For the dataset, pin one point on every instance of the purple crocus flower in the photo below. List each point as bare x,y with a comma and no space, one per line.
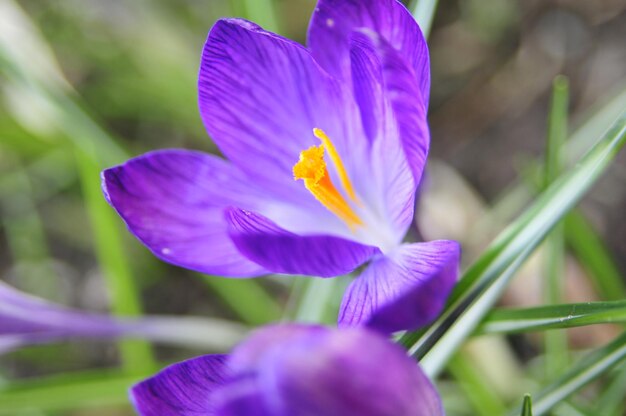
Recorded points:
346,118
27,320
294,370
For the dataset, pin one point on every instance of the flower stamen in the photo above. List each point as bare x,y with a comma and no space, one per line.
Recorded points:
311,168
334,156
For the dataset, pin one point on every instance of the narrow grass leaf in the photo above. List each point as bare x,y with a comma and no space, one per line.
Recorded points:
583,372
556,356
513,321
527,406
568,409
594,255
424,13
557,130
604,114
611,401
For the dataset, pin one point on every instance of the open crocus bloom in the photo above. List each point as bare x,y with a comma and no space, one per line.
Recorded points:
294,370
345,118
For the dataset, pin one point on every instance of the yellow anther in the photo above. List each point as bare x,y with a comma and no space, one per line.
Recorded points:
334,156
311,168
311,164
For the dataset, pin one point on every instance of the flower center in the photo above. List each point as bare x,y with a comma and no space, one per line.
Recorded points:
311,168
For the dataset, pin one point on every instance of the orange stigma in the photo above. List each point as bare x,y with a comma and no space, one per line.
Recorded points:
311,168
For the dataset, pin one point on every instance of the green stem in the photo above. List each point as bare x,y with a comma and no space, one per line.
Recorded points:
554,253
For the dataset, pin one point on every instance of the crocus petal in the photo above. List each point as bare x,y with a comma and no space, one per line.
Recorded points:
378,82
28,320
281,251
249,354
173,202
352,372
240,398
182,389
404,290
261,95
335,20
400,87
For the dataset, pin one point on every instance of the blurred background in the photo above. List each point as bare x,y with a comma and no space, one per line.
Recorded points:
86,84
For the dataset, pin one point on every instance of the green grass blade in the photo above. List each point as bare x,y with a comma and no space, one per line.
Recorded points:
568,409
583,372
557,130
424,13
527,406
445,336
554,253
605,115
136,355
556,348
611,400
593,254
513,321
483,282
